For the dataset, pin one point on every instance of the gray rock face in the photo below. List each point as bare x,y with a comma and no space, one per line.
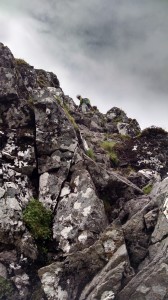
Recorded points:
8,75
151,280
117,121
80,213
55,147
104,219
148,151
66,280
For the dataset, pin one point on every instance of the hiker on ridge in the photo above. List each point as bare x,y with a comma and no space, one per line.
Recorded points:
84,104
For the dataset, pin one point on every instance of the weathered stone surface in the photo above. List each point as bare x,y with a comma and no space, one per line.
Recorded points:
55,148
108,281
108,240
137,230
117,121
8,75
80,215
8,257
151,281
144,177
3,271
47,79
160,193
107,179
66,280
22,283
148,151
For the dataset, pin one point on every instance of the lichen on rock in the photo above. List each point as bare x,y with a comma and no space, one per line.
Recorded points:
99,227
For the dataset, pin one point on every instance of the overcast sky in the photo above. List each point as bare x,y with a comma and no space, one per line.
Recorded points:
114,52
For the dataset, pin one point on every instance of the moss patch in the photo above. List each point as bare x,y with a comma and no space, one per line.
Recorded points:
147,189
38,220
21,62
37,294
6,288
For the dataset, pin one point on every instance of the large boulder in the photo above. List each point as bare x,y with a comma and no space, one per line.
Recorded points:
107,257
151,282
80,215
118,122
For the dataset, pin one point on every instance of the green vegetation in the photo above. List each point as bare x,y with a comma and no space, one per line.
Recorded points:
147,189
153,131
128,170
41,81
30,101
57,98
72,120
114,159
118,119
65,107
107,206
37,294
125,137
109,146
38,220
90,153
21,62
6,288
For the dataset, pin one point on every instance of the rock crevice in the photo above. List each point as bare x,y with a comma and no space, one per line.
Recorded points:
103,181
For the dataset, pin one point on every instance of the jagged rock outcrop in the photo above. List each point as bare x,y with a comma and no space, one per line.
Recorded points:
98,226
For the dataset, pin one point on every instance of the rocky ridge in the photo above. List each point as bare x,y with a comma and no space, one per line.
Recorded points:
83,197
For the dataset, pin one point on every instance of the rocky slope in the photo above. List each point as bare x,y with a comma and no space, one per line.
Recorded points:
83,198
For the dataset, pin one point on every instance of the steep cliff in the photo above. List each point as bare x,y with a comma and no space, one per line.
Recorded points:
83,197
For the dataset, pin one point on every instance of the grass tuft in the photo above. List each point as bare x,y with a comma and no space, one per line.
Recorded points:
147,189
90,153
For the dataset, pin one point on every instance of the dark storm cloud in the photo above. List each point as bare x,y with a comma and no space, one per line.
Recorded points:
113,51
126,33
